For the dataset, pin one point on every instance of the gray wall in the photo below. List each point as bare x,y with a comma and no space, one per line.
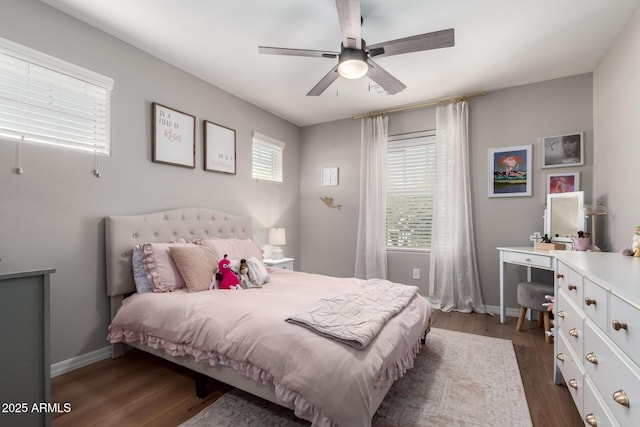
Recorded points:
52,216
504,118
616,97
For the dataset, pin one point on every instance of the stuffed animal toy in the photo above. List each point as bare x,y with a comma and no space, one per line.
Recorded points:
229,279
244,274
247,272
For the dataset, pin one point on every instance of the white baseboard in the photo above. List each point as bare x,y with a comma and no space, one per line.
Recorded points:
80,361
495,309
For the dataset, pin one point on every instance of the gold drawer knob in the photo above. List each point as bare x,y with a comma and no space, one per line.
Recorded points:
560,357
573,384
592,358
574,333
591,420
589,301
560,276
618,325
621,398
560,314
572,287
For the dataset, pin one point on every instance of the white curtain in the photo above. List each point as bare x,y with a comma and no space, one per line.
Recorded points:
454,283
371,249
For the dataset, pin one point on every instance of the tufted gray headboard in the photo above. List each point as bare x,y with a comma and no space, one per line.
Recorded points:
124,232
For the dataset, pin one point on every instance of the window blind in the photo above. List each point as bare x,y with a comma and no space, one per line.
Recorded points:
267,154
410,185
47,100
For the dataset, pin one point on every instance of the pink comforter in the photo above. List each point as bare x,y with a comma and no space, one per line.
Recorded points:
326,382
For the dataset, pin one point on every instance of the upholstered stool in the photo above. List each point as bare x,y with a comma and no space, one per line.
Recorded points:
531,295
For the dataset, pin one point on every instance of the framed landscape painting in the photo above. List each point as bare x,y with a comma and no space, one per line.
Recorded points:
510,171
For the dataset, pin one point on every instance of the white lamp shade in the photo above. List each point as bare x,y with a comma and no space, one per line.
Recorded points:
277,237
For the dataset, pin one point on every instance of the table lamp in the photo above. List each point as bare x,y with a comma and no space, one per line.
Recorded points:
276,239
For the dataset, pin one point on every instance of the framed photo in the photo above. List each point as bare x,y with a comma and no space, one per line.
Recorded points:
174,137
510,171
563,150
329,176
219,148
563,182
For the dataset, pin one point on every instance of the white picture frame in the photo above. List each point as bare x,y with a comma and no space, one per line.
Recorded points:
563,150
510,173
563,182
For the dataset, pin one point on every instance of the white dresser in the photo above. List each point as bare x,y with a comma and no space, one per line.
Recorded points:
597,329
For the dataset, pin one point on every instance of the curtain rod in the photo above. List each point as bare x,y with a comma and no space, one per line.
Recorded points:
425,104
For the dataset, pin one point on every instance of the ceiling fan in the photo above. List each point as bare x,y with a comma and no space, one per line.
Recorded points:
355,57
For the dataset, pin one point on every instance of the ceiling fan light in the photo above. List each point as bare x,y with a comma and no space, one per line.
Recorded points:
353,64
353,69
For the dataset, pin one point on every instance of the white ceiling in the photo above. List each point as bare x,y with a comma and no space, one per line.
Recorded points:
499,43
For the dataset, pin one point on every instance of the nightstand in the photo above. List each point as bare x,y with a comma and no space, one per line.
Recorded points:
286,263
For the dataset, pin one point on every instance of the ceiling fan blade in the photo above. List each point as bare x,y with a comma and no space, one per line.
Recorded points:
390,84
434,40
297,52
325,82
350,23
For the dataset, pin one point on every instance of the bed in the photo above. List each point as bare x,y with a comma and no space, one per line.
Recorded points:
246,342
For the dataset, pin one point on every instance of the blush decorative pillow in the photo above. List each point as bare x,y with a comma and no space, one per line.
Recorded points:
234,248
197,265
162,272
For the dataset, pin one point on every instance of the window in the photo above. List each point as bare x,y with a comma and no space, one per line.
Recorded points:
267,157
47,100
410,184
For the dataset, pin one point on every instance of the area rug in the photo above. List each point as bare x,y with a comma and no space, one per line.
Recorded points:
458,380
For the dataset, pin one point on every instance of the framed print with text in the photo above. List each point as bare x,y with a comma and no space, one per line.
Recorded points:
219,148
174,137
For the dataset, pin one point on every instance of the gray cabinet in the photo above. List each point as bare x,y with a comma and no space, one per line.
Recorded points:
24,355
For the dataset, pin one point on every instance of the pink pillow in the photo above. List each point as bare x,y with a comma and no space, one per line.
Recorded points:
162,272
234,248
197,264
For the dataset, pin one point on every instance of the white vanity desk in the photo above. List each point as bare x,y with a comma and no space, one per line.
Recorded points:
526,256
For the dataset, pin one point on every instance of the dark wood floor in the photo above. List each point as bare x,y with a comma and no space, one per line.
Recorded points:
142,390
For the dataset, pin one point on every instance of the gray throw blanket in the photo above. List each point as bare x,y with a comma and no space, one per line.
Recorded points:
355,317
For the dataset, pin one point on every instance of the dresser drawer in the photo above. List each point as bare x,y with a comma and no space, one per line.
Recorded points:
538,261
570,320
596,412
627,336
610,374
596,303
571,371
571,282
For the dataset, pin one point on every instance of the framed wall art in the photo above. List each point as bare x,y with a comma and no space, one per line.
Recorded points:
219,148
510,171
174,137
563,182
563,150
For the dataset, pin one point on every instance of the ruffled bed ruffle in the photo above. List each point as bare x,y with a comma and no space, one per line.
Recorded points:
289,398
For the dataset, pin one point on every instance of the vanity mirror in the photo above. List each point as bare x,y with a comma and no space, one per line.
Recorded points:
564,216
